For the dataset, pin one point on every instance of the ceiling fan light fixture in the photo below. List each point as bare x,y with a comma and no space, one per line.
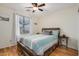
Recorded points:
35,8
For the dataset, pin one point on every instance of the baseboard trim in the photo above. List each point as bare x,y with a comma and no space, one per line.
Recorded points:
71,48
8,46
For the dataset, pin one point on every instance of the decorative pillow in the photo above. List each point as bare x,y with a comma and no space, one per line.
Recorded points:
50,32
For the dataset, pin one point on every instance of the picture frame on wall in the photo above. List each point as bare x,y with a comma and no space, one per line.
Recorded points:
3,18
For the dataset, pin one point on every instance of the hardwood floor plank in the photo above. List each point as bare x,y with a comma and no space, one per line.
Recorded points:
60,51
64,52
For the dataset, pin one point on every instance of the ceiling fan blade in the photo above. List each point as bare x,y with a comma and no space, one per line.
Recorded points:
33,11
41,5
41,9
28,10
28,7
34,4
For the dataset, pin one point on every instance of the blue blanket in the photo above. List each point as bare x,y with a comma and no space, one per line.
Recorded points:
37,42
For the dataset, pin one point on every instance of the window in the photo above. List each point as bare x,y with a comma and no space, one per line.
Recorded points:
24,23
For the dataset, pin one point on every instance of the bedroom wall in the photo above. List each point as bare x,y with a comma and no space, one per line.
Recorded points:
66,20
35,28
78,32
78,29
7,28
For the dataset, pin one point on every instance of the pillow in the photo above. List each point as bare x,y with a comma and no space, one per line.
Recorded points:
56,32
50,32
47,32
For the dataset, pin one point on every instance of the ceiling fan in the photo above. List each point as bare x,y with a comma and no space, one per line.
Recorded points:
36,6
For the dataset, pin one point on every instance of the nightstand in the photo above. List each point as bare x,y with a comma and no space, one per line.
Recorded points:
62,39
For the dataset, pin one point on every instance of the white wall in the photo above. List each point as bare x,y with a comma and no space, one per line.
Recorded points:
78,29
7,29
35,28
64,19
78,32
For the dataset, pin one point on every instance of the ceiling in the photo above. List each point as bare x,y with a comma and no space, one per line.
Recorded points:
50,7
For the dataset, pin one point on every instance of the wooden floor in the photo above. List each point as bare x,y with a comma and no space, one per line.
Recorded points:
60,51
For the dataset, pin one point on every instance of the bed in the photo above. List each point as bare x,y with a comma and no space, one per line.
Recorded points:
41,44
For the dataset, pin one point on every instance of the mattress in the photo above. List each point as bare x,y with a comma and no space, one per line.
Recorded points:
39,43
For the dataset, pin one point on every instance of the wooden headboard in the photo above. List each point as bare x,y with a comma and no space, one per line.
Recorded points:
51,29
